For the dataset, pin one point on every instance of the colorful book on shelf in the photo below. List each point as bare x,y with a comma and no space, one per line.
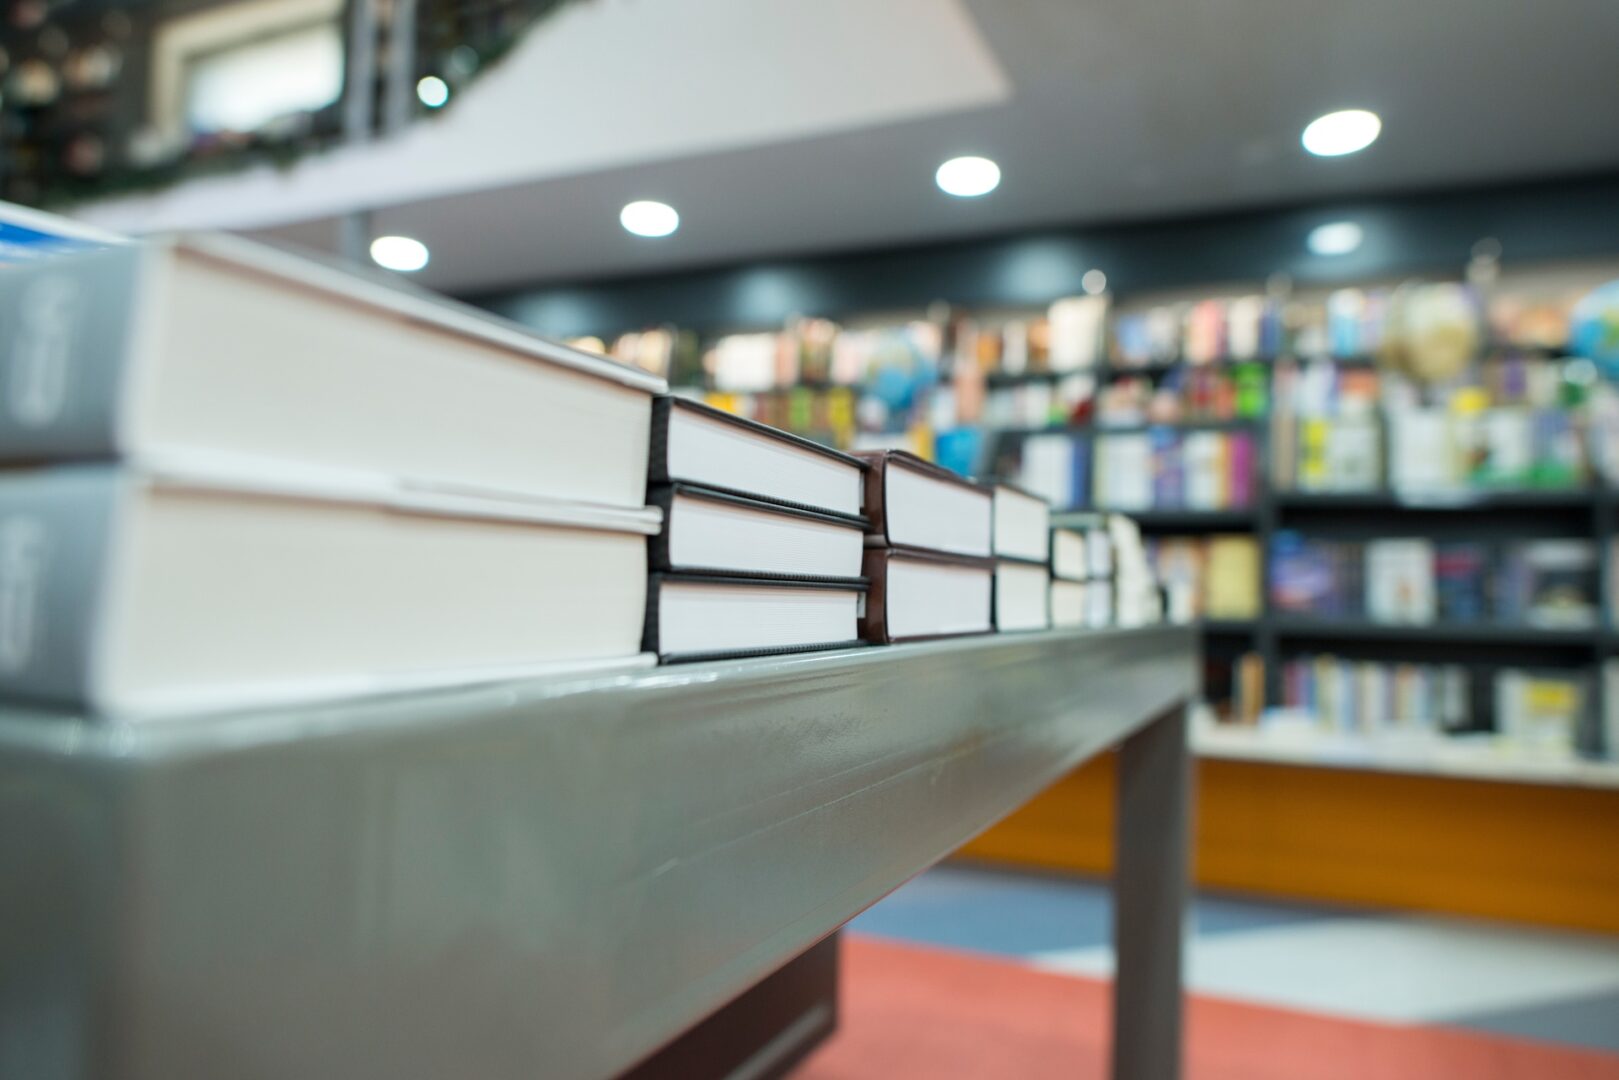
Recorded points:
1231,585
1399,577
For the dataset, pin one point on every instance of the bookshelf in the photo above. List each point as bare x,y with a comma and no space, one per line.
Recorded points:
1143,392
1458,758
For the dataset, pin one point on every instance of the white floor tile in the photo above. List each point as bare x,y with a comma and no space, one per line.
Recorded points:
1402,970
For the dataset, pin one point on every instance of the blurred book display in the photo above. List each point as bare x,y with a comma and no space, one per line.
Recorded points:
258,507
1241,428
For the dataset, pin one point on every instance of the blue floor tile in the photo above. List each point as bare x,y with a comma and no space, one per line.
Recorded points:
1585,1021
1016,913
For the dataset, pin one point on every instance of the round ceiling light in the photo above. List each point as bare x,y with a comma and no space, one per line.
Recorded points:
1094,282
400,253
968,177
1343,132
432,91
1334,238
645,217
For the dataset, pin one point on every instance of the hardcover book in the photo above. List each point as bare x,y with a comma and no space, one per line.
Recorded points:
699,445
216,343
700,616
919,594
912,503
713,531
175,588
1021,595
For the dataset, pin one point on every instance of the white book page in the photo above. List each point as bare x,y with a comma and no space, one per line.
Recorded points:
926,598
923,511
705,450
709,535
699,617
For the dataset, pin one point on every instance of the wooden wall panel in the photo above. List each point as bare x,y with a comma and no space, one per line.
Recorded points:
1519,852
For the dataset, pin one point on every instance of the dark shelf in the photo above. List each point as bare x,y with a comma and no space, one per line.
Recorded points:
1460,502
1239,424
1302,626
1180,520
1229,627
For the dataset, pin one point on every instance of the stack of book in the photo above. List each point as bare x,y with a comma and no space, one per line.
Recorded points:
1082,572
254,478
1022,557
927,552
1137,598
763,538
1070,569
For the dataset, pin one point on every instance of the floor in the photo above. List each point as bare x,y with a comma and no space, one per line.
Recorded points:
970,971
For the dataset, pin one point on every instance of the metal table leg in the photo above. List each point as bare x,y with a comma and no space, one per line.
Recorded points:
1149,892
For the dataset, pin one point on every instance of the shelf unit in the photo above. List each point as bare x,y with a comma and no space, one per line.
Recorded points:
554,877
1449,757
1590,513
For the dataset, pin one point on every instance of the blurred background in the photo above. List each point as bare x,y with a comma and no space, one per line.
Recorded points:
1326,295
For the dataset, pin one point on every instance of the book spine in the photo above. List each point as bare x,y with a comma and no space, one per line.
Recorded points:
67,332
56,529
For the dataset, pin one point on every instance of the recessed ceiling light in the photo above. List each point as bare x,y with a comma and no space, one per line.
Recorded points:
645,217
399,253
1334,238
432,91
968,177
1341,132
1094,282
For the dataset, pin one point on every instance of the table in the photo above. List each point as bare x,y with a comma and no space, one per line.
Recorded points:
548,878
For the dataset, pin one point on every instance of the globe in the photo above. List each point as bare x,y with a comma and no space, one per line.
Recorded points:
1593,330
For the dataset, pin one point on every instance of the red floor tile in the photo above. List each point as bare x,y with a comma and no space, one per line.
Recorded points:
913,1011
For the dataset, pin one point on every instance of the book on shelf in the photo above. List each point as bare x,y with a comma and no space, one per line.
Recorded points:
916,595
1070,570
1368,697
1541,712
704,446
1609,735
1420,451
1462,581
1069,558
706,616
1137,599
1231,583
1550,583
1022,528
1400,581
178,586
916,504
714,531
1166,469
1021,595
1069,600
1056,467
214,342
1248,689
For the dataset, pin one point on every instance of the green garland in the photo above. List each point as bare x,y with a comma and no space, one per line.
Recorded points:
279,153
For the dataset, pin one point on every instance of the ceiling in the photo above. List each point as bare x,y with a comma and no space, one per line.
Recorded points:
815,125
